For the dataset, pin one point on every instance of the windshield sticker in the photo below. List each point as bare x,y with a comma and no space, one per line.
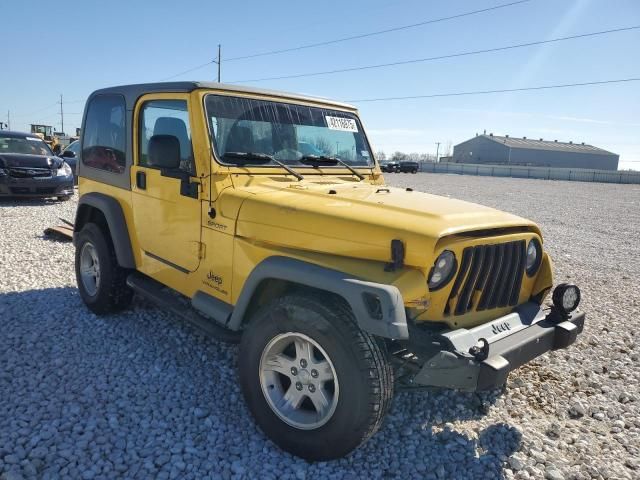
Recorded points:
364,153
343,124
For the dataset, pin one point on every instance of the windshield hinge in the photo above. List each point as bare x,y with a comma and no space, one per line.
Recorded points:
397,256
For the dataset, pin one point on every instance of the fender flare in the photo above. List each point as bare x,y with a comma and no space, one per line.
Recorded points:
112,211
388,321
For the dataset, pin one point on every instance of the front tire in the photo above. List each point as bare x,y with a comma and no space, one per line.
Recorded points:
317,385
101,281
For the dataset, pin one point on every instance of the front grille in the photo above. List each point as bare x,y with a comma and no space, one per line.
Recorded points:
23,172
490,276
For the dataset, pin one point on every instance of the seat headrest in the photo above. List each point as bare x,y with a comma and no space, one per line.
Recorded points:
176,127
164,151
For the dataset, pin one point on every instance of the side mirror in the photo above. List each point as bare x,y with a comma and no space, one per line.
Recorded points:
68,154
164,151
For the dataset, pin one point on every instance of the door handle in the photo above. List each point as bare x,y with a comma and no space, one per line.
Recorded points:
141,180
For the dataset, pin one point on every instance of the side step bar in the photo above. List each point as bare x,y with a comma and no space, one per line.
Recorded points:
158,294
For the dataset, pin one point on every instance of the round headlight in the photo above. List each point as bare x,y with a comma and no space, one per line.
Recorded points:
534,256
443,270
566,297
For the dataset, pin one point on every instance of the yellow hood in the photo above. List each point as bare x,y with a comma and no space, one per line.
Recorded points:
359,220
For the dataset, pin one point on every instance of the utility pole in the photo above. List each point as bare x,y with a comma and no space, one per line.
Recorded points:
218,62
9,119
437,152
61,115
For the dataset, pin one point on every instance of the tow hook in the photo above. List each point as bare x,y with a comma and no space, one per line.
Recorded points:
480,353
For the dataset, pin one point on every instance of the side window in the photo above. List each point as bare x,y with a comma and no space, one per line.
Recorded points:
160,120
104,136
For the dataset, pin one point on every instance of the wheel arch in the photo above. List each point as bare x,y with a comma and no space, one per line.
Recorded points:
378,308
107,212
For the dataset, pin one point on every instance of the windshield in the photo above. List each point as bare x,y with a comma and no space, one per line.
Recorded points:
288,132
26,145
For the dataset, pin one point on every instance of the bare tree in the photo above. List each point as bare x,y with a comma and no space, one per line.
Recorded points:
324,145
397,156
381,156
447,149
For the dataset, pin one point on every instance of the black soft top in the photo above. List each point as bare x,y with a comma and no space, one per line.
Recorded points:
133,92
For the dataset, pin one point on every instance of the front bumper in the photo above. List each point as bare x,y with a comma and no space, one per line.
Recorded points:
507,343
36,187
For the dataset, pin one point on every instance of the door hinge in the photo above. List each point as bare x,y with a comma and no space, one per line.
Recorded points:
201,250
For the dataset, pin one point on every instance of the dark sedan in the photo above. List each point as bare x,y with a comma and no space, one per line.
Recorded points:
28,168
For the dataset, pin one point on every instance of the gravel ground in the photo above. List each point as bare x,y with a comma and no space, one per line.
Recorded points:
141,394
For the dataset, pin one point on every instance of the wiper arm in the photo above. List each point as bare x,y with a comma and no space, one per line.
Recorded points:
261,159
319,159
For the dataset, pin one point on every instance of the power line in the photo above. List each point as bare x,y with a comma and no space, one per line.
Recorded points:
441,57
218,62
378,32
345,39
188,71
37,111
503,90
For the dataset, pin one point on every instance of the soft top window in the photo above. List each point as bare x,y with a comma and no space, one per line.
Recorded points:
103,140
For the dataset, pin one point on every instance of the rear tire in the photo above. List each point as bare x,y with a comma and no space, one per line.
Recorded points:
318,413
101,281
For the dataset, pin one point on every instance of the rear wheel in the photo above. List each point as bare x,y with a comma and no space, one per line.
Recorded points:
101,281
317,385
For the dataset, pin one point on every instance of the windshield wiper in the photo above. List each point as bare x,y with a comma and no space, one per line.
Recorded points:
261,158
323,159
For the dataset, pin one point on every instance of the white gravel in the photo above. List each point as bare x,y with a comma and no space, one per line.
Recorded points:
140,394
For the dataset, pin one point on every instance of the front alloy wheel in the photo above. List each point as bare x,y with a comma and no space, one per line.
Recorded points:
317,385
299,381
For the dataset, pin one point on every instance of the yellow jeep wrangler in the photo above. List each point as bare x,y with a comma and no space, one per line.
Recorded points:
263,218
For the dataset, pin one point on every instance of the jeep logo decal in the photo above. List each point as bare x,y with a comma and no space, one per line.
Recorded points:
214,278
500,327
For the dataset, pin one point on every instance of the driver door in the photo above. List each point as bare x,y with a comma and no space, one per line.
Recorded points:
165,192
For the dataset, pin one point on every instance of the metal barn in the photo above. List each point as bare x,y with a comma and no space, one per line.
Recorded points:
496,150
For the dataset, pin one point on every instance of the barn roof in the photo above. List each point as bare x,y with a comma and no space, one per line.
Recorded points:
540,144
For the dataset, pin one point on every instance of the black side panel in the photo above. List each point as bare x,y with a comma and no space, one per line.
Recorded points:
114,215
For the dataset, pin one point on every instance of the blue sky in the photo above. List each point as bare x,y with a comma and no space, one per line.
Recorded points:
72,47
